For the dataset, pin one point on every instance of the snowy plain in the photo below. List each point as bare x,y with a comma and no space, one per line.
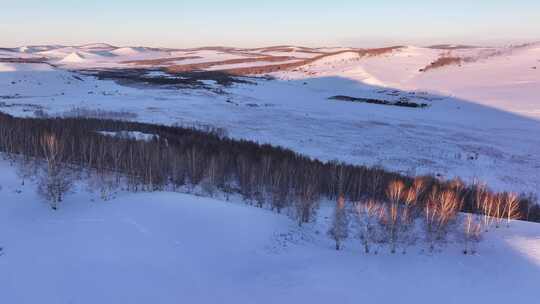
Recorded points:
480,125
172,248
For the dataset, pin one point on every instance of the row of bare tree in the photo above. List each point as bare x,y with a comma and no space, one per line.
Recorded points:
401,219
264,175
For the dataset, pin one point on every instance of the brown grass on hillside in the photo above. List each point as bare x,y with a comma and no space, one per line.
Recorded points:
268,69
379,51
206,65
441,62
451,47
257,70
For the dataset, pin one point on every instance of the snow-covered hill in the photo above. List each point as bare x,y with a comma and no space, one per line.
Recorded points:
178,248
478,125
504,78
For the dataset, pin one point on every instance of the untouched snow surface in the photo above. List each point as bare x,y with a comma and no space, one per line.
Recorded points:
177,248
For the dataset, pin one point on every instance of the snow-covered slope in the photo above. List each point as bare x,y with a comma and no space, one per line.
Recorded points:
478,125
510,81
38,48
177,248
18,67
506,78
55,88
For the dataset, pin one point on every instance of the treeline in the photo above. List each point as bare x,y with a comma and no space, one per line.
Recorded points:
178,157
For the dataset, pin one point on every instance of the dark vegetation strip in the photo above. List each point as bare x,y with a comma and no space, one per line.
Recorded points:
193,79
441,62
399,103
24,60
264,175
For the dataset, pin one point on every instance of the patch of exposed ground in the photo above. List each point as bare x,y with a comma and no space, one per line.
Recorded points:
448,59
180,80
24,60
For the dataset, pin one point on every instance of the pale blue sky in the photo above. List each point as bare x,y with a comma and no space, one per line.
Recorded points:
187,23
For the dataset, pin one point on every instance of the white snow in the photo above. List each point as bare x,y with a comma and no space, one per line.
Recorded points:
61,53
24,49
345,57
22,67
127,51
131,134
38,48
74,57
205,56
178,248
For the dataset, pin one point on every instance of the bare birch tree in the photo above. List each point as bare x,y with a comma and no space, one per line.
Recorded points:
339,229
368,213
392,216
512,211
472,233
55,181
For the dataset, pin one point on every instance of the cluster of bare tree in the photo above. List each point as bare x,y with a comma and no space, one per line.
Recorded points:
415,212
264,175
